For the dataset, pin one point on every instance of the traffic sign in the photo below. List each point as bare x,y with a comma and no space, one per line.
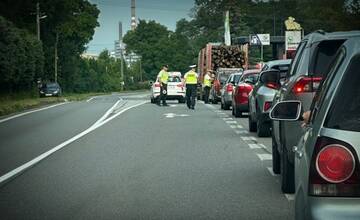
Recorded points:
260,39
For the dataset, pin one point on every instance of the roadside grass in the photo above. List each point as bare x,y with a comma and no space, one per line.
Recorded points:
16,103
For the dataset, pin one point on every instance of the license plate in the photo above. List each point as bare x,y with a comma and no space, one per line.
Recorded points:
48,94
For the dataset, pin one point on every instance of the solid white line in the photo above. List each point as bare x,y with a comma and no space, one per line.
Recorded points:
271,171
290,197
36,160
29,112
263,157
90,99
108,112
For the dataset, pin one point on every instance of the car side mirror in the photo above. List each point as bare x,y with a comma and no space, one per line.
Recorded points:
286,111
270,76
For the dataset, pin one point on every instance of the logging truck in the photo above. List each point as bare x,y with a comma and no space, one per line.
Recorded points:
217,57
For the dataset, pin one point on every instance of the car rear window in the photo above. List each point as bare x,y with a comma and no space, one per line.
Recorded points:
324,57
223,78
237,78
252,77
345,111
174,79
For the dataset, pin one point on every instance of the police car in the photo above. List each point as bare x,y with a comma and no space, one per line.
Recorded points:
175,89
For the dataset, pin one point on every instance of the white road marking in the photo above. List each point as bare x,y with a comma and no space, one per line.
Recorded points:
227,119
248,138
233,126
263,157
90,99
231,122
173,106
271,171
240,126
108,112
241,132
29,112
36,160
173,115
257,146
290,197
210,106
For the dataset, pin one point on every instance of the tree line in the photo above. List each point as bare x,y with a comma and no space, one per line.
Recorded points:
70,24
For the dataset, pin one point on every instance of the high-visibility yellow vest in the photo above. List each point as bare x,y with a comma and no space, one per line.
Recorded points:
191,77
164,76
207,80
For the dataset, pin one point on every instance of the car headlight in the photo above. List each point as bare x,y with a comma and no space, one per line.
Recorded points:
41,92
56,91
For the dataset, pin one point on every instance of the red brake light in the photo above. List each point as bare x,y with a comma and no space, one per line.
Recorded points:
272,85
334,169
157,84
229,88
335,163
307,84
267,106
180,85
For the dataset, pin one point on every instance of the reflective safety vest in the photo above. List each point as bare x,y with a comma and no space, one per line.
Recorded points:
164,76
190,77
207,81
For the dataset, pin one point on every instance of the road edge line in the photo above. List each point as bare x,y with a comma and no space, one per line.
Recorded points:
32,111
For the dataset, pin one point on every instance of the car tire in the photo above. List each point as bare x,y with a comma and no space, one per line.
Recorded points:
237,113
152,100
275,157
287,174
221,105
214,101
263,128
252,124
226,106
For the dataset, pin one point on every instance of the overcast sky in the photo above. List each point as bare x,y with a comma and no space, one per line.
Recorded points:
166,12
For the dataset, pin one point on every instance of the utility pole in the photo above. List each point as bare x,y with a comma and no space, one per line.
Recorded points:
122,72
38,20
56,56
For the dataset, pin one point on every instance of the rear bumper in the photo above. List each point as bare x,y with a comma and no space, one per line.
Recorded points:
171,96
324,208
264,117
242,107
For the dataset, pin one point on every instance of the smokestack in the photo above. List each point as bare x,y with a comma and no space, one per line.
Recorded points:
133,16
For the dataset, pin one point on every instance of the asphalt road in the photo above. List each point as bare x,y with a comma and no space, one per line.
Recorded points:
140,161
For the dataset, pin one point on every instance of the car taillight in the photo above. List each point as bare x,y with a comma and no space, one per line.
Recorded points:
180,86
267,106
229,88
157,84
272,85
307,84
334,169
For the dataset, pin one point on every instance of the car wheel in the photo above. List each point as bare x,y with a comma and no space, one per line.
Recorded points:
275,157
252,124
237,113
232,110
152,100
263,128
287,174
226,106
214,101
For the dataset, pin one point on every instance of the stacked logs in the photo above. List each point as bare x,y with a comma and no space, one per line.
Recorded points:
227,57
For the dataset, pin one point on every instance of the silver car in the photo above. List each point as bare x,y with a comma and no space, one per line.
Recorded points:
261,98
327,168
227,89
314,56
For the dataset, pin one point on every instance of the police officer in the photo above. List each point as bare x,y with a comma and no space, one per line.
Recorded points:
207,86
163,77
191,85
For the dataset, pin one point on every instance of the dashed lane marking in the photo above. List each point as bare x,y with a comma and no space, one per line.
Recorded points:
233,126
290,197
240,126
241,132
263,157
271,171
227,119
231,122
257,146
248,138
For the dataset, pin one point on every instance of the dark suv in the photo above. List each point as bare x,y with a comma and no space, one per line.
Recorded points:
312,61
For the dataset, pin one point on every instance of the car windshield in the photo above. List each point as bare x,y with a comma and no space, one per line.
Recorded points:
174,79
52,86
345,111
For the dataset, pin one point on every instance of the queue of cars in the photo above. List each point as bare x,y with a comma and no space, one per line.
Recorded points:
318,160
